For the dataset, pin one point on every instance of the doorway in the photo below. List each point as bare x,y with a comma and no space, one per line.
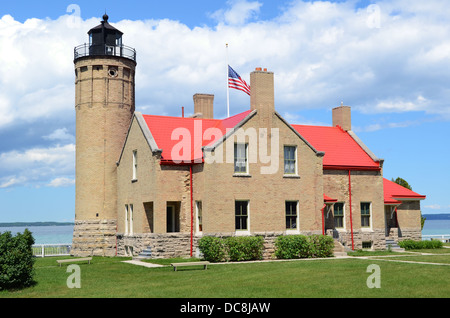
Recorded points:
173,218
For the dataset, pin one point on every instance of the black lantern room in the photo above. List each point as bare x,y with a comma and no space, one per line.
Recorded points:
105,39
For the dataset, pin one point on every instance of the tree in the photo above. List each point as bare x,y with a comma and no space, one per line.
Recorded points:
402,182
406,185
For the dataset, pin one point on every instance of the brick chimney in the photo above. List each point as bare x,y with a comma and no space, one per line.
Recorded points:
203,106
342,117
262,92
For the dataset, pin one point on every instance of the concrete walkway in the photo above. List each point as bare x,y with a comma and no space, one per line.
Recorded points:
145,264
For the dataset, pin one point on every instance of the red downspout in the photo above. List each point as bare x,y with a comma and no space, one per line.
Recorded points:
192,208
350,197
323,219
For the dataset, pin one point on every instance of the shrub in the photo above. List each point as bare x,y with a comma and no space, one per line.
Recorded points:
234,248
301,246
16,260
244,248
213,248
413,245
322,246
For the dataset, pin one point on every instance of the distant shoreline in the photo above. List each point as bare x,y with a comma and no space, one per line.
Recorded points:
21,224
442,216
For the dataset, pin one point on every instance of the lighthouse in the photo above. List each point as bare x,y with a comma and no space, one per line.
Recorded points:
104,106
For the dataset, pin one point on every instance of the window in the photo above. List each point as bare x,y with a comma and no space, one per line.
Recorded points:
241,215
134,164
126,219
291,215
199,217
338,215
129,219
365,214
289,160
367,245
240,158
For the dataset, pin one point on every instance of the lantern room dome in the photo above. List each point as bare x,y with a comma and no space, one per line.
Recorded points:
104,40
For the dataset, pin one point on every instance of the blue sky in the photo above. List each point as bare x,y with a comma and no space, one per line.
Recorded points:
388,60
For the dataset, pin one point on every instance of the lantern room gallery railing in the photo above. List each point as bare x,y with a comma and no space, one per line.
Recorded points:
104,50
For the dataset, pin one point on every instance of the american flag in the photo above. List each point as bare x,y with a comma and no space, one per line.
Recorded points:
235,81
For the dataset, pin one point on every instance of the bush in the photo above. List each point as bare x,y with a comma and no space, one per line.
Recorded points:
213,248
16,260
322,246
414,245
234,248
244,248
301,246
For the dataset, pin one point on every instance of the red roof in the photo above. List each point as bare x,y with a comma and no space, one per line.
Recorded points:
170,132
341,150
394,192
328,199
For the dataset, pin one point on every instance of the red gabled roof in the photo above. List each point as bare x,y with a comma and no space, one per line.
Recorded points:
170,132
341,150
394,192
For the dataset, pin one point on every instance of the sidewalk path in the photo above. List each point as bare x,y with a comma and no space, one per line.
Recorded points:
145,264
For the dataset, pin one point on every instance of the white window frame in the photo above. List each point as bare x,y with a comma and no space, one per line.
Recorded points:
135,165
297,220
131,219
246,172
126,220
198,231
367,228
343,217
244,231
295,173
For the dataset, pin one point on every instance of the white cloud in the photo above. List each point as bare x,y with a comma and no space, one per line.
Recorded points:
60,134
36,165
321,53
61,182
238,13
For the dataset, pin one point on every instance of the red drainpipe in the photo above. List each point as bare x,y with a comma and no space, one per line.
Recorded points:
350,197
192,208
323,220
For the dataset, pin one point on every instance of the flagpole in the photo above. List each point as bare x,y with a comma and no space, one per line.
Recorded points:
228,88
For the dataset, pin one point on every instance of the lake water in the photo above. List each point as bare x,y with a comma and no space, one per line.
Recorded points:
62,234
436,227
55,234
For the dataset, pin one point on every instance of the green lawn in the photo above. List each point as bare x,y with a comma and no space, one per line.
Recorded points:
341,278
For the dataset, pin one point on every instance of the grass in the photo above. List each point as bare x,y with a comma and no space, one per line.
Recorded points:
340,278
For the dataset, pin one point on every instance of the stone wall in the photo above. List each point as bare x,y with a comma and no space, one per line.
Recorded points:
94,238
178,244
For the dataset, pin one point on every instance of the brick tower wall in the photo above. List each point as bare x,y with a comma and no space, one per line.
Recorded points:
104,104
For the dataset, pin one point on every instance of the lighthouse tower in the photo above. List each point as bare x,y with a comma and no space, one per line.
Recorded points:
104,105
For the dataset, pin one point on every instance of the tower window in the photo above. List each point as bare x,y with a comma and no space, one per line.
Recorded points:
113,72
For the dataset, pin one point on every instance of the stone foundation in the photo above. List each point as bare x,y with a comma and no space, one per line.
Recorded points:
169,245
94,238
377,237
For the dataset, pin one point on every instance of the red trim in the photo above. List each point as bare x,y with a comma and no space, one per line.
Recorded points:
323,219
350,198
192,208
351,168
164,162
